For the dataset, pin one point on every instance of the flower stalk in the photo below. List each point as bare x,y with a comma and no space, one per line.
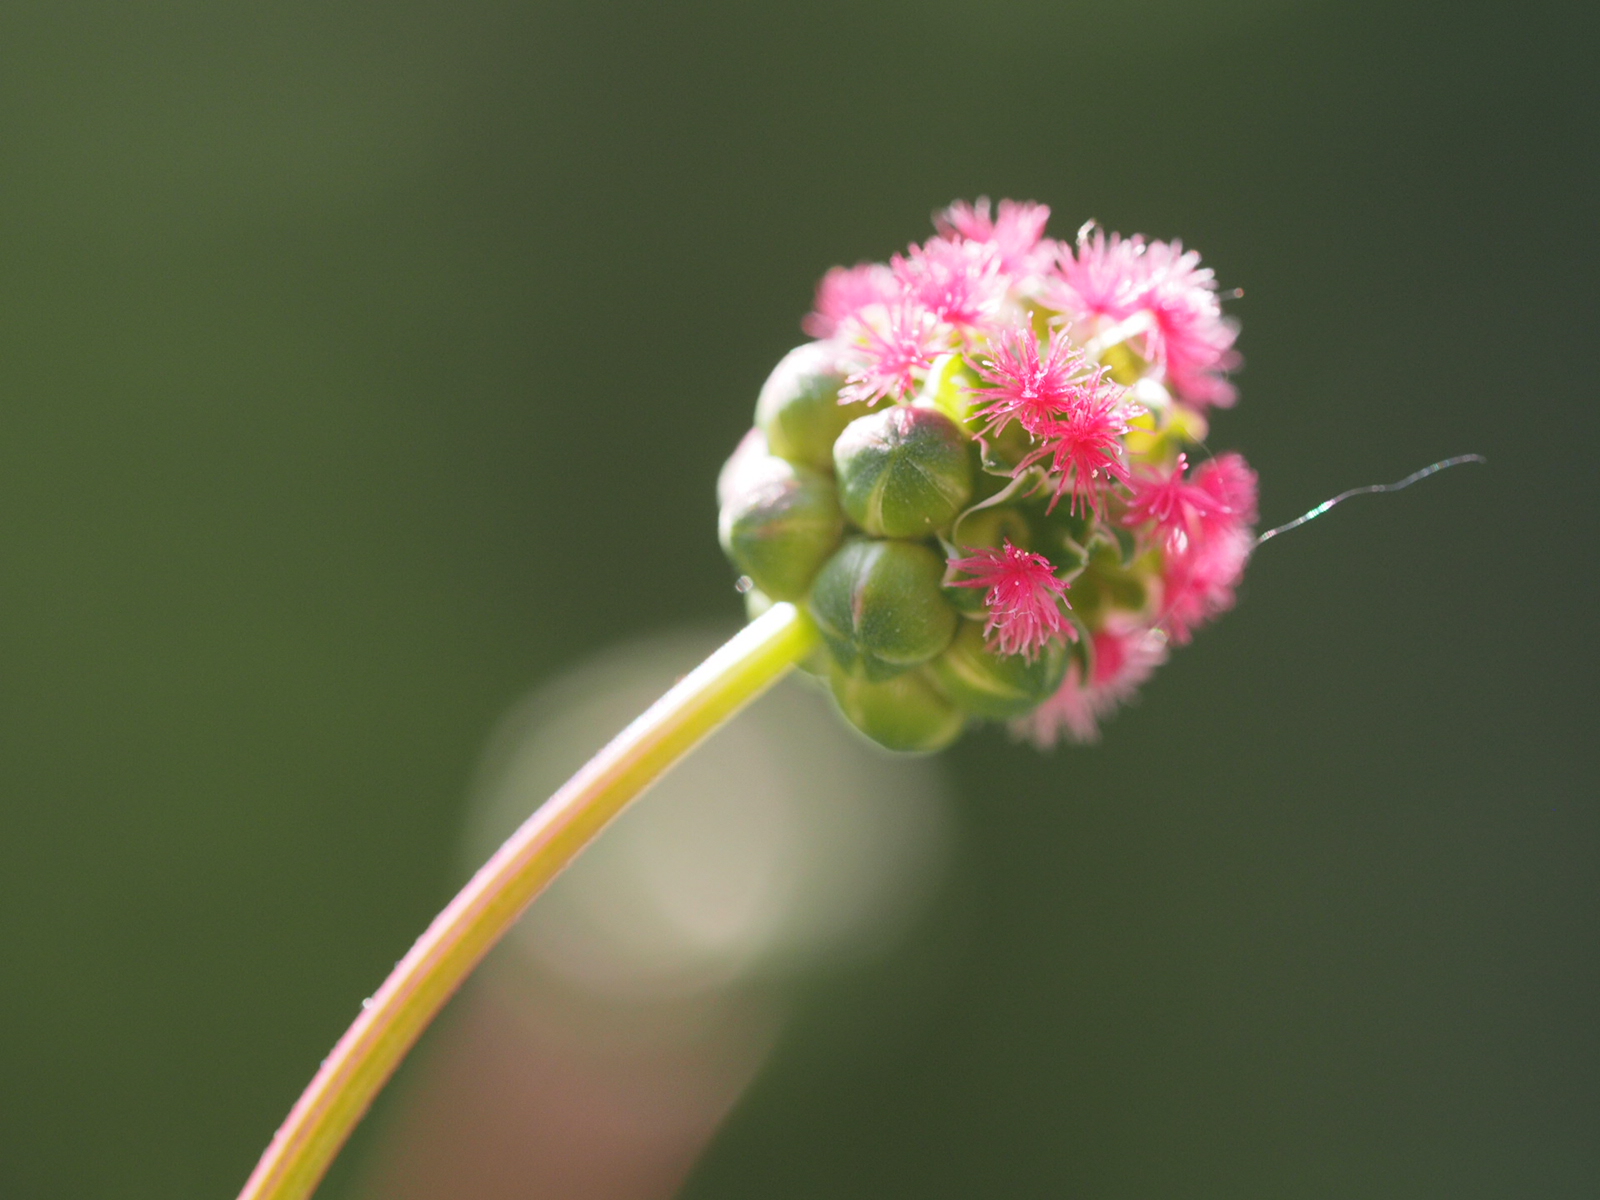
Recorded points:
481,913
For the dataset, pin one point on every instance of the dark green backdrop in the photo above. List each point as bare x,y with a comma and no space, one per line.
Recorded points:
363,364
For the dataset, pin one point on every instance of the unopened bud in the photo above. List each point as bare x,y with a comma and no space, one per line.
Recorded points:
799,410
903,472
997,686
907,713
779,523
879,606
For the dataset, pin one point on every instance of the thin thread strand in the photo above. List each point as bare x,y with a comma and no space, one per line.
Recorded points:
1430,469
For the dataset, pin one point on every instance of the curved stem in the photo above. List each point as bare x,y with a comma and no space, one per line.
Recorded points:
475,920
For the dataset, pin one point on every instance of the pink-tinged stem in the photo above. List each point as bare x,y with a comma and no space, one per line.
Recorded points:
479,916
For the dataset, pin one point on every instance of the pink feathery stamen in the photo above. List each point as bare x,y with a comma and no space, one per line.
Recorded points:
1198,579
958,282
892,359
1023,596
1112,278
1017,232
1084,448
1198,584
1102,277
845,293
1032,390
1192,337
1174,505
1126,652
1231,484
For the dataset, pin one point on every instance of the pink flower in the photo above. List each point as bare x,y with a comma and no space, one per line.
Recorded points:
1115,278
1104,277
1176,507
891,358
1198,579
1198,584
847,292
1084,447
958,282
1017,233
1192,337
1030,390
1231,484
1125,654
1024,598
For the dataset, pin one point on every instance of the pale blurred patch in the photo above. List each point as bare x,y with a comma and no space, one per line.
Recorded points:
635,1001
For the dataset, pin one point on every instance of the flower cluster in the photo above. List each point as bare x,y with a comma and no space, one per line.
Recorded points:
978,477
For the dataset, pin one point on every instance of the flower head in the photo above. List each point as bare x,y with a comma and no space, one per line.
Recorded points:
993,350
1110,279
1101,277
1023,596
1231,485
1192,337
1172,505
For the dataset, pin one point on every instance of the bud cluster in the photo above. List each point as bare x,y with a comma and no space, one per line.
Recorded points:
977,478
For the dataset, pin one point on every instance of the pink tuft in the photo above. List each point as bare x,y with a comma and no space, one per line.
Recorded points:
1175,506
1104,277
1017,233
1114,278
1125,654
1192,337
1084,447
1231,484
890,360
1023,596
845,293
1033,391
958,282
1198,584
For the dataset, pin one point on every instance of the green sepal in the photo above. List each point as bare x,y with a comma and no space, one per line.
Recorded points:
880,608
1107,584
1018,489
997,686
907,713
1003,452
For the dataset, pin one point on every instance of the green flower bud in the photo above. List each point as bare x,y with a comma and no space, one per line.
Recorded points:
879,606
779,523
799,410
903,472
907,713
996,686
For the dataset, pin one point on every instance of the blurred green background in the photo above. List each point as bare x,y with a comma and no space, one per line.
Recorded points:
364,364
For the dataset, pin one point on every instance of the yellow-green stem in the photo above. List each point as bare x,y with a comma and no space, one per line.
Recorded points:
475,920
